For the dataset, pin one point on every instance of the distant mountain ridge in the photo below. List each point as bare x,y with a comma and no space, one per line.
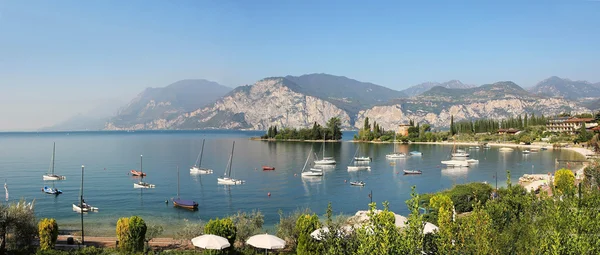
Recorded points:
168,102
560,87
423,87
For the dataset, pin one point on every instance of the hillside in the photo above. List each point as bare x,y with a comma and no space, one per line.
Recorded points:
419,89
559,87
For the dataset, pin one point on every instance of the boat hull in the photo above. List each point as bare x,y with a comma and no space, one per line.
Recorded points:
85,209
51,191
325,162
395,156
143,185
268,168
364,159
229,181
358,168
137,173
412,172
196,170
187,204
312,174
50,177
416,153
361,184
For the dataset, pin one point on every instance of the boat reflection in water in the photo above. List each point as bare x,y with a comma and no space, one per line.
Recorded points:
455,171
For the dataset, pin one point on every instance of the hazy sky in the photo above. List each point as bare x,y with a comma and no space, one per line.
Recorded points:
60,58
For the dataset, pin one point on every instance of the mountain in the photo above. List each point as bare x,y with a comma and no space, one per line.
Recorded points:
345,93
559,87
168,102
420,88
436,106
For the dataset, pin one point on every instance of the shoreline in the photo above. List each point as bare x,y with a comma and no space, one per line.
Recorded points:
293,140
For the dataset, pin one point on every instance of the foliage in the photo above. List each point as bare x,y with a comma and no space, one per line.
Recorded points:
48,233
306,224
190,231
18,226
332,131
153,231
90,250
446,226
222,227
413,234
123,233
287,225
463,197
564,181
131,234
247,225
379,235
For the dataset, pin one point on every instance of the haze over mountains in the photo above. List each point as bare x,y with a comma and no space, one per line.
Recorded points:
299,101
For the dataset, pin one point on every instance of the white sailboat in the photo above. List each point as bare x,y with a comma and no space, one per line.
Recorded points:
50,176
197,168
312,172
395,154
227,179
354,167
141,184
82,206
460,154
325,160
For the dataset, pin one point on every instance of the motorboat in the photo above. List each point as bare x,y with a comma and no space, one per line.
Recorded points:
227,178
395,155
51,176
416,153
358,183
456,163
52,191
85,208
526,151
197,168
143,185
137,173
412,172
367,159
268,168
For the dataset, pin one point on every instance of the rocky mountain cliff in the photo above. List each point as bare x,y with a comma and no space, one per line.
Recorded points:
155,104
435,107
423,87
559,87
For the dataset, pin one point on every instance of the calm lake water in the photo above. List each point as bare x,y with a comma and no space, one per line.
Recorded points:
108,157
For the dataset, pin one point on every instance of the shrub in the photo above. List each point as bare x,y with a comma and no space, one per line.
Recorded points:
287,225
564,181
48,232
247,224
123,233
190,231
305,225
18,226
222,227
137,233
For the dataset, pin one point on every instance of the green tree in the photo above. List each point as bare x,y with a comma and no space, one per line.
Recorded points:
48,232
222,227
366,125
334,127
452,128
564,181
247,225
137,233
445,209
305,225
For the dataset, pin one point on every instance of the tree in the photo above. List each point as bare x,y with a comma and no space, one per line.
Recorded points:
48,231
564,181
222,227
315,132
247,224
137,233
334,127
366,125
445,209
305,225
452,128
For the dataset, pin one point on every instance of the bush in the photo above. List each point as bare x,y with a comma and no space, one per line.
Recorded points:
123,233
287,225
131,233
564,181
247,224
18,226
222,227
305,225
48,232
190,231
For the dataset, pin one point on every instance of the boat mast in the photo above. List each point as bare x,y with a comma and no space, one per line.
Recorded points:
201,153
141,168
324,137
177,182
53,154
231,159
307,159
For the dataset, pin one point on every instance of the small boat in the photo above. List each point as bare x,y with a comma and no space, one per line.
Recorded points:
395,154
311,172
506,149
178,202
544,148
137,173
416,153
412,172
368,159
268,168
52,191
85,208
526,151
460,154
50,176
487,146
456,163
197,168
325,160
226,179
533,150
141,184
357,168
358,183
472,161
474,147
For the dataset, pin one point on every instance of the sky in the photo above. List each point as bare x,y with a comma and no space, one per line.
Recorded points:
61,58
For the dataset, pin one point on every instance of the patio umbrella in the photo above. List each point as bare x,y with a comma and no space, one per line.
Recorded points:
320,233
266,241
211,242
429,228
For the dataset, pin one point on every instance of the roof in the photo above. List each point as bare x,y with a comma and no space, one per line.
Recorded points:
578,120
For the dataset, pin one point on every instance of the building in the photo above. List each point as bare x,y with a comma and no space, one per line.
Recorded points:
510,131
570,125
403,129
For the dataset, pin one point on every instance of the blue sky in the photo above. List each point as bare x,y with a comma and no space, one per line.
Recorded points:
59,58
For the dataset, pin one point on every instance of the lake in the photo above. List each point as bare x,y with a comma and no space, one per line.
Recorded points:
109,156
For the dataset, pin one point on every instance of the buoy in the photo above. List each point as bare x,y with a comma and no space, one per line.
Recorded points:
269,194
166,201
345,181
397,172
295,174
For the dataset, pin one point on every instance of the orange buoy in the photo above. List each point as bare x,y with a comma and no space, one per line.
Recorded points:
269,194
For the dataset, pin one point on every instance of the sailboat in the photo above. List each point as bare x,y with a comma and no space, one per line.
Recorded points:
197,168
187,204
458,158
358,158
395,154
227,179
354,167
141,184
325,160
358,182
82,206
50,176
312,172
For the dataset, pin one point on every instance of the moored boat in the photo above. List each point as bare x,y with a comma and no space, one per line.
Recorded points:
357,168
357,183
268,168
178,202
456,163
85,208
227,178
416,153
363,159
52,191
472,161
526,151
412,172
51,176
137,173
506,149
460,154
311,172
141,184
197,168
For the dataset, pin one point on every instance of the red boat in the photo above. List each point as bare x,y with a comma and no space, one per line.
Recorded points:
137,173
268,168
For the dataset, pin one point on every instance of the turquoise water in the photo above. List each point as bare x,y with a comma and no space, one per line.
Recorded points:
108,157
